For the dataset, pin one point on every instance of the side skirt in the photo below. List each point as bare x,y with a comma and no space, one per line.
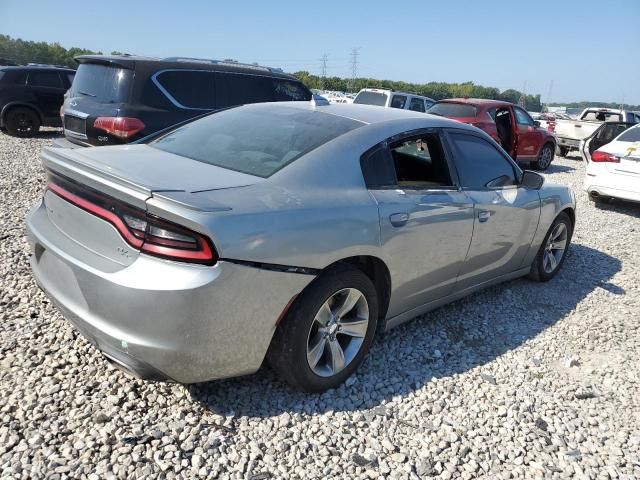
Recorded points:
406,316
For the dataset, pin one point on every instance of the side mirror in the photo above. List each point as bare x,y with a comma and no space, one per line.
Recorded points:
532,180
536,123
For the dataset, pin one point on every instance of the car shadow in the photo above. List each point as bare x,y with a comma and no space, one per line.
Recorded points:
619,206
448,341
557,168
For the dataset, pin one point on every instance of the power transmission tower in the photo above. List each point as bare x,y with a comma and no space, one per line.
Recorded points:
523,96
354,67
324,60
549,92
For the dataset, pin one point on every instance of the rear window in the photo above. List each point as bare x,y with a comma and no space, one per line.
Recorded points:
456,110
189,88
631,135
602,117
258,141
372,98
103,83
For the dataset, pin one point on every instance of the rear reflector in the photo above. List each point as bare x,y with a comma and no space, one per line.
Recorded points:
121,127
600,156
139,229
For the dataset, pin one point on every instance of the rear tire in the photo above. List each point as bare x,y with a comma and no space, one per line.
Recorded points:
550,257
302,349
22,122
545,157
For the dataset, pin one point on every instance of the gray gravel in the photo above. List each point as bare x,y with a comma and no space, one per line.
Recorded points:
523,380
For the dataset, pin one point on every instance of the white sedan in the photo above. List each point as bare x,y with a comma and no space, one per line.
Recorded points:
613,170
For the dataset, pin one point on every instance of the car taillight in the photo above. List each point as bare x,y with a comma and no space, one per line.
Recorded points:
600,156
121,127
139,229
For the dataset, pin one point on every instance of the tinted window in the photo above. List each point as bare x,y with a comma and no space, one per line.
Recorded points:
522,117
286,90
258,140
70,78
456,110
102,83
232,90
631,135
189,88
419,162
480,164
398,101
13,77
610,131
372,98
45,79
416,104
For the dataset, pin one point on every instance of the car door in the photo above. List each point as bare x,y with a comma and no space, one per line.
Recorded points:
604,134
505,214
426,222
48,91
529,138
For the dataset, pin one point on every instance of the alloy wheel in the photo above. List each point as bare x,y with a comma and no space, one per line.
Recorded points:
545,157
337,332
555,248
24,123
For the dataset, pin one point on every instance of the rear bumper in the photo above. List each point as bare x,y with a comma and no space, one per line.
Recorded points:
66,143
164,320
611,185
567,142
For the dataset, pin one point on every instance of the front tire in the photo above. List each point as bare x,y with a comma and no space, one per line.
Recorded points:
22,122
553,250
327,332
545,157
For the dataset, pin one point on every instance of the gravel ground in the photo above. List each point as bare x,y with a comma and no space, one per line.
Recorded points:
523,380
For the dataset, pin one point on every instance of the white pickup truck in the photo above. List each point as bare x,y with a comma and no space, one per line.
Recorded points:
569,133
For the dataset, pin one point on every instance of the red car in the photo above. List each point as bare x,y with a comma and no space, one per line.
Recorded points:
508,124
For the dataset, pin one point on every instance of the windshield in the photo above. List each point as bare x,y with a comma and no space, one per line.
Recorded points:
372,98
103,83
258,141
456,110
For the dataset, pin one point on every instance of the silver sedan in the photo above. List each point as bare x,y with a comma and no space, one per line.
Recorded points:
287,232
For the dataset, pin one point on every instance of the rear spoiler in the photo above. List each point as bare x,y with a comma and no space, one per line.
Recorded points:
70,163
108,61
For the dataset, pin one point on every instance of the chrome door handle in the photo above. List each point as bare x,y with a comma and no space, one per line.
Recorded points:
483,215
399,219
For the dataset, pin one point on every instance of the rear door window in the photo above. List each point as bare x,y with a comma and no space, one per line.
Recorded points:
479,164
398,101
419,162
45,79
189,88
416,104
13,77
240,89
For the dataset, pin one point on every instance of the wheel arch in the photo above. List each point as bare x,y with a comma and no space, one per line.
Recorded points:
10,106
378,272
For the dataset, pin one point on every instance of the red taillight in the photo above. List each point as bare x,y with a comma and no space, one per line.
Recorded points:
122,127
145,232
600,156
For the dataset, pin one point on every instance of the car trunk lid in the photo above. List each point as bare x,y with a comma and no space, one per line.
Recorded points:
629,154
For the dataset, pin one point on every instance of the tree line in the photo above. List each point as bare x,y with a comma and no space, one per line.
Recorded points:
22,52
435,90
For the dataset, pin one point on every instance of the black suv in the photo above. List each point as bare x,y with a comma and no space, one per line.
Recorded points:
120,99
31,96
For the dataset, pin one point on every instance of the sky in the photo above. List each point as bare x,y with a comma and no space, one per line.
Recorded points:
587,49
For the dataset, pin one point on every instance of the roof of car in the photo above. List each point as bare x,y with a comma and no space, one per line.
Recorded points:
187,63
475,101
36,67
373,114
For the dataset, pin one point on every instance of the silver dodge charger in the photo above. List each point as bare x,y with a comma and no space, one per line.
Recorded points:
291,232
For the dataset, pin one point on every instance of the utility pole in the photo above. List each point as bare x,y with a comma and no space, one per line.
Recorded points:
324,60
523,96
549,95
354,67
